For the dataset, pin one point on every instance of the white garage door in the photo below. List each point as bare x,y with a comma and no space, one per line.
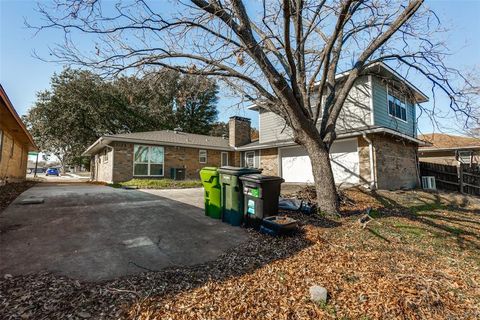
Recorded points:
296,166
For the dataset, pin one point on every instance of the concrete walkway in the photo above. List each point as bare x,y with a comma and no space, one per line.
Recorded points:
92,232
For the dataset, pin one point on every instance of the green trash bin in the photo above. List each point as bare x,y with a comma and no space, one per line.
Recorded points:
212,194
232,193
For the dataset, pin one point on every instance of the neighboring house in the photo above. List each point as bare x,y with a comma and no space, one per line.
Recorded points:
121,157
376,142
15,142
450,149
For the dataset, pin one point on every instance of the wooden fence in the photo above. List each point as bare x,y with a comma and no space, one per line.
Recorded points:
464,178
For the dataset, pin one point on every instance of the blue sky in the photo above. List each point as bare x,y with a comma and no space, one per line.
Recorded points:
22,75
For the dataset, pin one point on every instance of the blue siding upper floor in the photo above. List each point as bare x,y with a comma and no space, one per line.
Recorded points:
383,118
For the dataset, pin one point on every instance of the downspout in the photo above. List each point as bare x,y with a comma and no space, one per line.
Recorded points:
373,178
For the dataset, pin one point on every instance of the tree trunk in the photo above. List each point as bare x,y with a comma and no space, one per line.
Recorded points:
327,198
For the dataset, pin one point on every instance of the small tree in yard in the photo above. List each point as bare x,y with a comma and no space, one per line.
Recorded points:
278,54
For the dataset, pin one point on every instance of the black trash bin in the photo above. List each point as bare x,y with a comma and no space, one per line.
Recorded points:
261,195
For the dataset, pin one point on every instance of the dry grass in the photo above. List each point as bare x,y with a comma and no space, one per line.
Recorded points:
11,191
419,258
158,184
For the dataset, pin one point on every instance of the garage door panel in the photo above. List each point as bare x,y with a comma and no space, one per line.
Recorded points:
297,169
296,165
345,167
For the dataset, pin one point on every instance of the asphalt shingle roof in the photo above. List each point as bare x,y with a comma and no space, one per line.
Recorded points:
177,137
441,140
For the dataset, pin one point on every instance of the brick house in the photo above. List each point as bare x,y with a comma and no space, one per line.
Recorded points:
376,143
121,157
15,142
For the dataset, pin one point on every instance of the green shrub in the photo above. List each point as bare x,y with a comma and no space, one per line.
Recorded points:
158,184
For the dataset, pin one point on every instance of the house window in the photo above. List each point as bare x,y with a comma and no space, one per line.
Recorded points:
397,107
465,157
224,159
105,155
250,159
148,161
202,156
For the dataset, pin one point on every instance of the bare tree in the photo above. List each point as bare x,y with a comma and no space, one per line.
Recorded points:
281,55
472,89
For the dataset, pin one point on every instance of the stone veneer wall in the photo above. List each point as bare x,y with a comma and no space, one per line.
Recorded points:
269,161
364,162
395,162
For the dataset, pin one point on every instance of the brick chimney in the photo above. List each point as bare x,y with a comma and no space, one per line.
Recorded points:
238,131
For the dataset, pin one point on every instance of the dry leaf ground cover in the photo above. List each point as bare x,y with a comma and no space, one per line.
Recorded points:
11,191
419,258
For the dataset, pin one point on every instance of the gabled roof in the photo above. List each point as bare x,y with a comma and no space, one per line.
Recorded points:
13,122
442,141
164,137
383,69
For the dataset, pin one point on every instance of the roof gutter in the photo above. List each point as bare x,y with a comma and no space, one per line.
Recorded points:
385,130
339,137
434,149
105,140
273,145
87,152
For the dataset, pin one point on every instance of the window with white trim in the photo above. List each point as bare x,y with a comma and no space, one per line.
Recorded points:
148,161
105,155
224,160
250,159
202,156
465,156
397,107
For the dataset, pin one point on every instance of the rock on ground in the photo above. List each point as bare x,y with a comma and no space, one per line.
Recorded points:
318,294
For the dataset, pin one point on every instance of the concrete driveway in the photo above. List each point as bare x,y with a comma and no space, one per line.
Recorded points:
92,232
68,178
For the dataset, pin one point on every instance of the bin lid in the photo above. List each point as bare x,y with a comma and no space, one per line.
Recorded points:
259,178
207,172
238,171
208,169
